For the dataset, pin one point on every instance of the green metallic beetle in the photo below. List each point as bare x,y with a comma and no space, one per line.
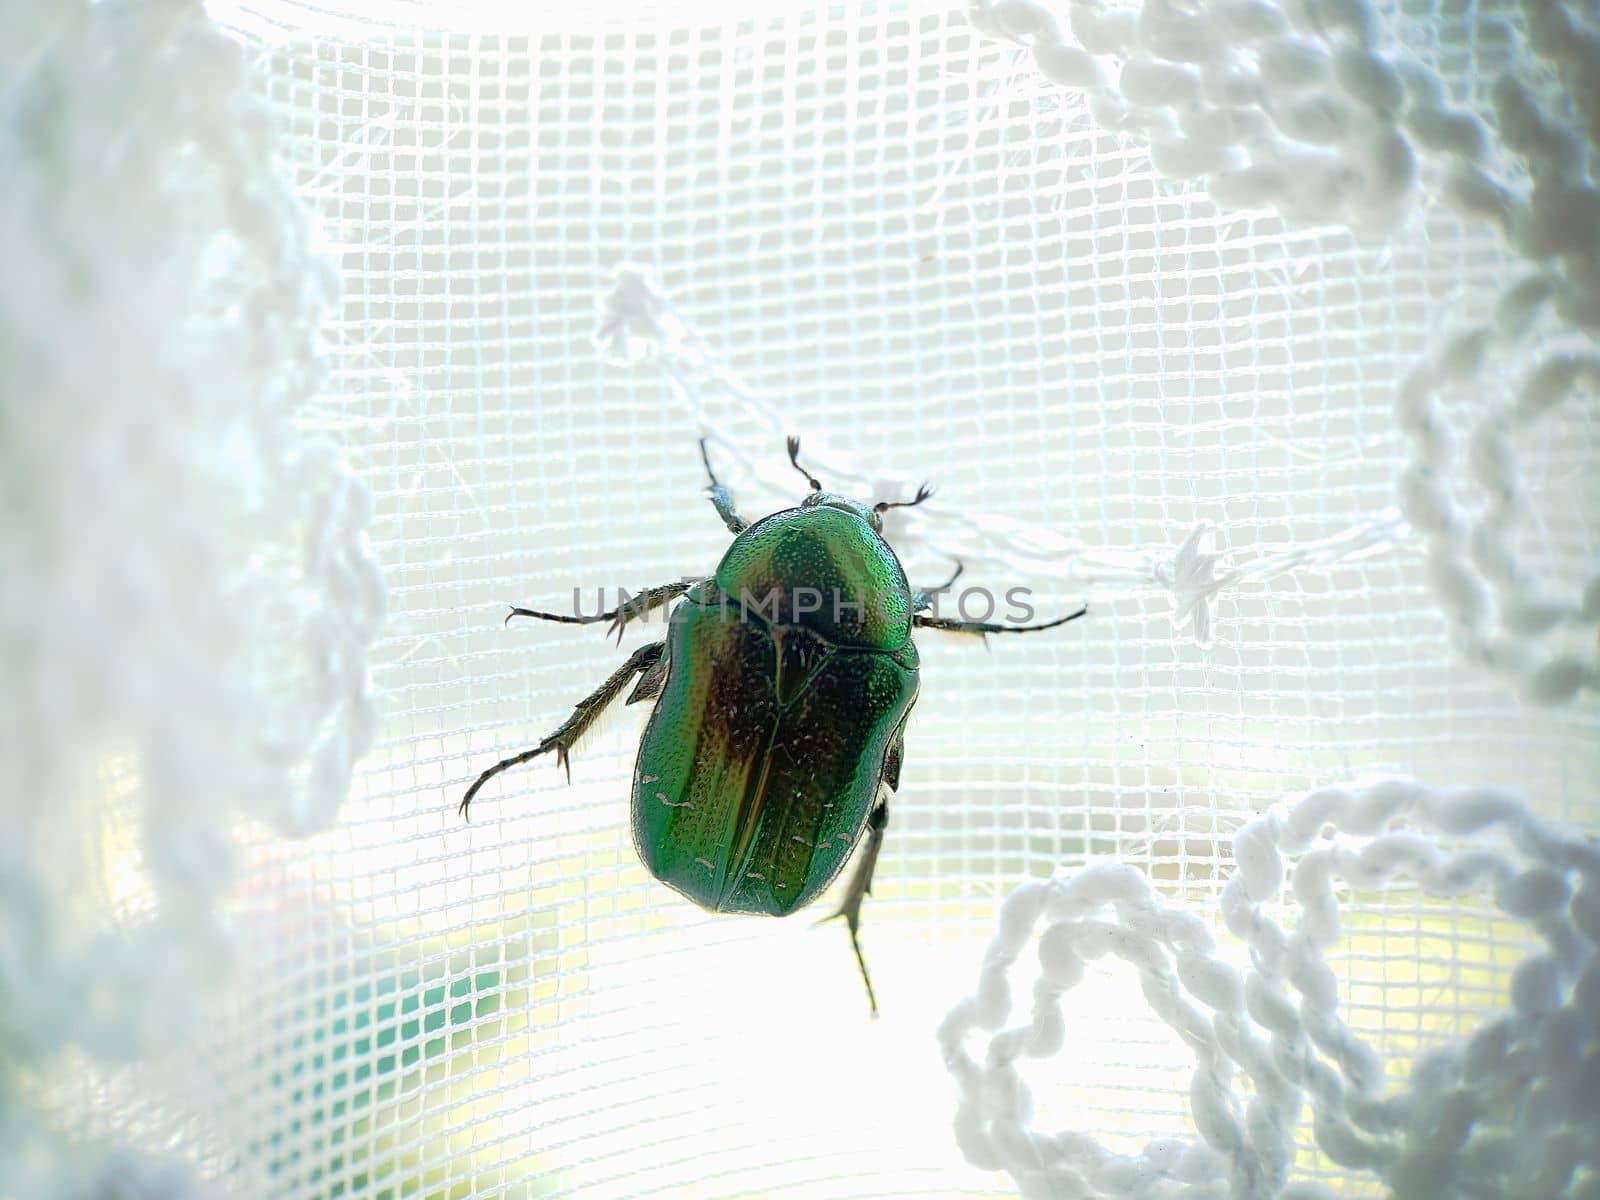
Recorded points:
781,695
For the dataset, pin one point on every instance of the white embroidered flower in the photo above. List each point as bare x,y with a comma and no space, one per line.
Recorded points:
1191,577
636,320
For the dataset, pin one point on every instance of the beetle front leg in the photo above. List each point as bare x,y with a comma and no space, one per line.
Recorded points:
636,606
722,498
952,625
858,889
922,598
584,714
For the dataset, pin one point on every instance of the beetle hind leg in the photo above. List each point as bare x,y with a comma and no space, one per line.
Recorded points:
584,714
859,888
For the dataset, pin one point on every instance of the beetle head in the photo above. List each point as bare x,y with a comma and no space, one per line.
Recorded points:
844,504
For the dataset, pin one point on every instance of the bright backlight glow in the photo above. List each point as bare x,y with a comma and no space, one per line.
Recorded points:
357,19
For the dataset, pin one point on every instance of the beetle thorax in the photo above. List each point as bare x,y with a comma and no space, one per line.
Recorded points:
823,566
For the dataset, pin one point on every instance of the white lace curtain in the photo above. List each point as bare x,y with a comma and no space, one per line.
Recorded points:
1266,329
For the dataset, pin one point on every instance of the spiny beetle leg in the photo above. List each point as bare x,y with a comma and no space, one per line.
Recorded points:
636,606
859,888
952,625
922,598
584,714
650,683
722,498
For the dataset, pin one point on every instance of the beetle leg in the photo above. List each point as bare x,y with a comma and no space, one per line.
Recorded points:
859,888
892,761
583,715
952,625
722,498
649,685
636,606
922,598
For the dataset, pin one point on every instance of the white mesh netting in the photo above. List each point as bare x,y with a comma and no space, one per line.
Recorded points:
1268,330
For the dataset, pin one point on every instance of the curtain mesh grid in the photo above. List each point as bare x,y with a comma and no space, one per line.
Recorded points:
564,256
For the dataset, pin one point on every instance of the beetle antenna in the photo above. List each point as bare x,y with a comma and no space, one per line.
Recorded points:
794,458
923,493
